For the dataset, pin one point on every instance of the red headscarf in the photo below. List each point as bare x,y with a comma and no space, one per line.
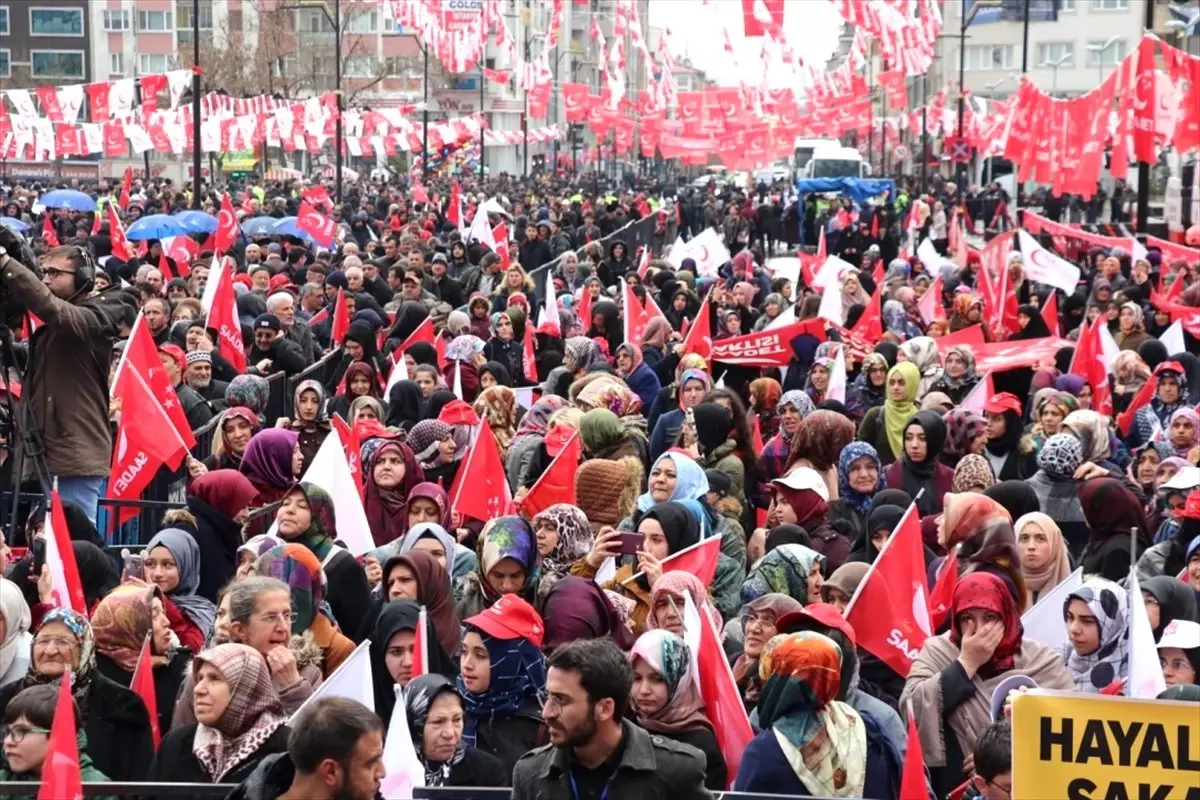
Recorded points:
986,591
226,490
806,503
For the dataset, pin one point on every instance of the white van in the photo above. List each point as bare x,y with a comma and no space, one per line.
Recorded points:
837,162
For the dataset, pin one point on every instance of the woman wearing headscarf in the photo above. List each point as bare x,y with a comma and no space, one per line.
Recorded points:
792,409
219,500
502,674
817,382
817,444
309,420
390,471
298,567
508,564
965,434
1045,562
981,530
530,433
563,537
950,685
667,702
358,381
869,389
1131,327
1111,511
1010,455
392,641
306,516
799,499
493,373
918,468
432,706
239,721
1097,647
464,357
419,576
1168,599
17,643
765,394
497,407
860,477
896,321
1056,488
576,608
435,540
172,563
121,624
404,406
958,377
641,378
758,624
883,426
811,743
113,717
1049,414
1032,324
433,445
1182,432
714,440
667,602
1170,395
271,462
790,569
236,426
973,474
922,352
694,385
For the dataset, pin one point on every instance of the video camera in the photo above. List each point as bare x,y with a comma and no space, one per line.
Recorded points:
17,248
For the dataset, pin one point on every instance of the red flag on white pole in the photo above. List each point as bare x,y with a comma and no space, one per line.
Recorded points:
557,484
341,319
66,588
489,495
223,317
227,227
61,776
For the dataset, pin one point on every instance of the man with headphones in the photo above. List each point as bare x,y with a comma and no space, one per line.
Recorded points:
66,382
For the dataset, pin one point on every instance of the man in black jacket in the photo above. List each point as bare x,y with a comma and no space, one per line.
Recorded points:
272,352
441,285
199,377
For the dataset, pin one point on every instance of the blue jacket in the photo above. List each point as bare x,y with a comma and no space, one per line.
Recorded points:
666,431
645,385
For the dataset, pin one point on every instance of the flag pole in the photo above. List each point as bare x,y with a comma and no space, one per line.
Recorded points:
911,508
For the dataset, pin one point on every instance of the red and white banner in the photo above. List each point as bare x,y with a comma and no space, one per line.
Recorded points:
768,348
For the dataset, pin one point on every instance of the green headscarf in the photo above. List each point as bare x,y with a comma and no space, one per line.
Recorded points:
319,538
599,429
896,413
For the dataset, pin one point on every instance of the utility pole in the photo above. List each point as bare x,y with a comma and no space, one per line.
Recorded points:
482,88
1143,190
925,129
337,93
526,21
195,108
425,119
962,86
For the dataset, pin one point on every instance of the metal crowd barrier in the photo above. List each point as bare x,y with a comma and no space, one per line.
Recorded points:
134,790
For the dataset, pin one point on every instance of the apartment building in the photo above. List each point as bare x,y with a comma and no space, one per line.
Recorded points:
45,42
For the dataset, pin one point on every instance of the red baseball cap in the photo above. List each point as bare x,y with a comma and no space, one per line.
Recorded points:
1004,401
510,617
175,352
1191,509
824,614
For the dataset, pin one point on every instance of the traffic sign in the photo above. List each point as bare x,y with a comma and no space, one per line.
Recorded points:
958,149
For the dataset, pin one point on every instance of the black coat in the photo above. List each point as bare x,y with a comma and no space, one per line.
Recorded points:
716,774
176,763
509,738
218,538
167,680
349,596
117,727
478,768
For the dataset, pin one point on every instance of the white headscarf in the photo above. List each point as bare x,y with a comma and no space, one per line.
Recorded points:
18,642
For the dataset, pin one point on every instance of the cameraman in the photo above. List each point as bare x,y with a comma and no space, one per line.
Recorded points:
66,382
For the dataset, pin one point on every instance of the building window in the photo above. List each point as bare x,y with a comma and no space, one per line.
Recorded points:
183,15
1101,56
5,63
4,21
152,63
1053,52
363,65
313,20
990,56
155,21
116,20
362,22
116,63
56,22
1066,5
1110,5
235,20
56,63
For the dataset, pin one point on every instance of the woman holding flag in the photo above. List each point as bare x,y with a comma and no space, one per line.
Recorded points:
394,652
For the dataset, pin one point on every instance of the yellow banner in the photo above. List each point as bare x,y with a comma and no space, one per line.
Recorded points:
1070,746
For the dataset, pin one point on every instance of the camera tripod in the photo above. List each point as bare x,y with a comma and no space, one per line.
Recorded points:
20,424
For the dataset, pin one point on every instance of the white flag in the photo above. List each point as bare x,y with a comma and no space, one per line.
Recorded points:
931,258
831,272
458,392
1172,337
1044,622
837,378
352,679
399,373
1146,680
404,770
831,305
481,230
330,471
1042,266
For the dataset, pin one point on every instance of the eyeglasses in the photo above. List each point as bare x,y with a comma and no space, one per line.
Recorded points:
18,732
53,272
279,616
57,641
1176,664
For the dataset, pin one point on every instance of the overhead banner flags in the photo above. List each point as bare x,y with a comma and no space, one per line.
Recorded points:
1092,746
762,17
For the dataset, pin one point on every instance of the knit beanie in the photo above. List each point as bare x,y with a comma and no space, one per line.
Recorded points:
605,490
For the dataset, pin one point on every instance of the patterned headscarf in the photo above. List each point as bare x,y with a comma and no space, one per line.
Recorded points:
580,353
986,591
316,387
424,439
322,531
536,421
797,399
518,671
609,391
185,551
418,700
85,665
966,514
690,480
253,715
1092,429
1188,414
922,352
497,405
248,391
675,583
507,537
858,501
669,656
461,348
295,565
574,537
962,428
783,570
1061,455
972,471
121,622
1109,604
257,545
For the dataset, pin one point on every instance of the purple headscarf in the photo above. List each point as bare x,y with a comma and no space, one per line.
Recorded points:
268,458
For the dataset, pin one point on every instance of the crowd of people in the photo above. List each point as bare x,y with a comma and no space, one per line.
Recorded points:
553,655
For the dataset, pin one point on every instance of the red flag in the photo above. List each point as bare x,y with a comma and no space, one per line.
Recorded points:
635,315
557,484
454,209
143,686
48,232
341,319
942,595
164,266
1145,102
930,304
584,310
227,227
123,200
1144,395
719,690
756,435
66,587
29,325
806,266
141,357
351,447
528,357
316,225
423,333
870,324
223,317
760,17
96,224
699,559
116,233
419,195
1050,313
420,655
896,582
246,202
912,780
61,778
489,495
146,440
319,317
699,337
500,235
1088,363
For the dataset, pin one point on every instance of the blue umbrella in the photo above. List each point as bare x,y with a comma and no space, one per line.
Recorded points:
197,221
287,227
69,199
259,226
14,224
155,226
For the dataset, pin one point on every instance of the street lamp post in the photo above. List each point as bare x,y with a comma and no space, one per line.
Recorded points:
1054,65
195,106
1100,50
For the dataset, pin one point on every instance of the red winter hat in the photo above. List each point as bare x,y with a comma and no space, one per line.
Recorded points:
510,617
1004,401
175,352
824,614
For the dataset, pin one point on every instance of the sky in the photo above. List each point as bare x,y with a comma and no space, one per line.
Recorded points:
811,26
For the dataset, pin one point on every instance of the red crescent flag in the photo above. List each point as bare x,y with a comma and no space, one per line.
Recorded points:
141,356
483,471
584,309
419,195
557,484
896,582
422,333
635,315
528,357
1050,313
48,232
164,266
66,587
120,244
1088,363
912,779
61,777
341,319
870,324
699,336
500,235
930,304
227,227
762,17
223,318
351,447
143,686
316,225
